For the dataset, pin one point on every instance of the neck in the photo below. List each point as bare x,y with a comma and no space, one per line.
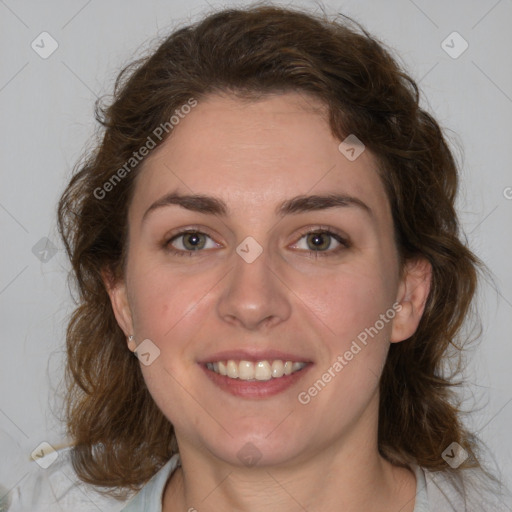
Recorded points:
332,479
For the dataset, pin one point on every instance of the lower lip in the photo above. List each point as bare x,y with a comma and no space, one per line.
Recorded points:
255,388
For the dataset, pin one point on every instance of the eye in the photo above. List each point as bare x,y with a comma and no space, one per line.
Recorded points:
321,241
188,241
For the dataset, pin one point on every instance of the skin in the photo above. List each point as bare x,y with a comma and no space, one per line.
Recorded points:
254,155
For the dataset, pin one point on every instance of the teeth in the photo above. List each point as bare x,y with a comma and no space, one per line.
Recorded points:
232,369
262,370
245,370
277,369
222,368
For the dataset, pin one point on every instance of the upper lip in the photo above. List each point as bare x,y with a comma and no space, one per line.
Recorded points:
254,356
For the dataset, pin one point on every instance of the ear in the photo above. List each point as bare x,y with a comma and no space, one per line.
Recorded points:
412,296
116,289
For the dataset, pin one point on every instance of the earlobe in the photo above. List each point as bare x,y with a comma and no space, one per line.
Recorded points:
116,290
132,346
412,296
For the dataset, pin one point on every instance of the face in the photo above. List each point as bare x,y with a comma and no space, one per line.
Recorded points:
288,255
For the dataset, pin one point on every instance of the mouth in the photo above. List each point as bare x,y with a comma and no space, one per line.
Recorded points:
255,379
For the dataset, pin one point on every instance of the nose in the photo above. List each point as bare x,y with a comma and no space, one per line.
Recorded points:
254,297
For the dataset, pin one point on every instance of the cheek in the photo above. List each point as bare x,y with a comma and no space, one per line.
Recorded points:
356,343
162,300
348,302
171,310
356,309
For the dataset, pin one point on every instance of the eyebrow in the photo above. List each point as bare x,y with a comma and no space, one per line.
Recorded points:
214,206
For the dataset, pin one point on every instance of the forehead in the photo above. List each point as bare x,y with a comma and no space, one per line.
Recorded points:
255,154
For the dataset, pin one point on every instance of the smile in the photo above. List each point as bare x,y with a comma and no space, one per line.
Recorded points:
259,370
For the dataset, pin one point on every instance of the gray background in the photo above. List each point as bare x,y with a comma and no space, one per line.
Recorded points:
47,119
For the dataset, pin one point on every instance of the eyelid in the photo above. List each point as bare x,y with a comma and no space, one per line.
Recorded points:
187,229
319,228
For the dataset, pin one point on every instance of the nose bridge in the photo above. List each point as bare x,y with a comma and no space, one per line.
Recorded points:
254,295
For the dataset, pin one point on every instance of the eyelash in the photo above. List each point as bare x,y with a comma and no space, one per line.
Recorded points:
321,230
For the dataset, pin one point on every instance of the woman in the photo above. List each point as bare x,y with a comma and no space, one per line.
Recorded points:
271,277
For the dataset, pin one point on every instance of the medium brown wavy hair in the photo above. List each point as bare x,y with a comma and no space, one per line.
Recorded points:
120,436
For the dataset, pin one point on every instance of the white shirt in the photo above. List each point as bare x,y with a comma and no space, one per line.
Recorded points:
58,489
